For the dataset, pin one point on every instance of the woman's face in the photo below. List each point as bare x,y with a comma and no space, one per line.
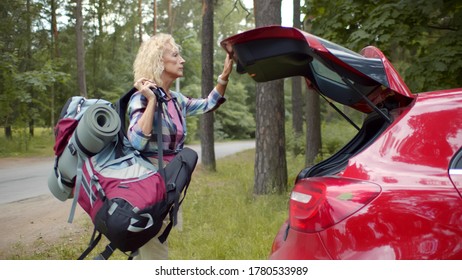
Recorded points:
173,62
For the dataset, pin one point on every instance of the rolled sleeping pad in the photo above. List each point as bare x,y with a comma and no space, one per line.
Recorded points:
67,164
60,191
98,126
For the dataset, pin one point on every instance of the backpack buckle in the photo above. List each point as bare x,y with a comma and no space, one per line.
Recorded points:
72,148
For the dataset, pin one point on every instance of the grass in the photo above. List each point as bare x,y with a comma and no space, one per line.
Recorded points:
222,220
22,145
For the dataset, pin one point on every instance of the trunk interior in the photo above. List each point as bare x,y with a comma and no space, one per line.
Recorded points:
372,127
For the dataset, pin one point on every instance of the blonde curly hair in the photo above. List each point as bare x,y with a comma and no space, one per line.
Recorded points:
149,62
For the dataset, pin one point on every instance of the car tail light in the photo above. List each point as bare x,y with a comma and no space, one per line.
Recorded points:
318,203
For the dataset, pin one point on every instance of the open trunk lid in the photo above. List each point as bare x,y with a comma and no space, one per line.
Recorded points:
365,81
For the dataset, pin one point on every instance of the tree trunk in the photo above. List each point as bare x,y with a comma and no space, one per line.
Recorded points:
28,63
154,22
313,127
206,121
55,53
297,97
31,128
54,31
82,84
140,23
8,132
270,160
170,16
297,105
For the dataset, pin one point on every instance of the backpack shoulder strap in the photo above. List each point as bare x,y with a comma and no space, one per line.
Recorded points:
105,255
93,242
121,107
160,149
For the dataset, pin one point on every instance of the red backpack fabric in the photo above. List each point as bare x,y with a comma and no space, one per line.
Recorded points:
125,195
63,134
125,198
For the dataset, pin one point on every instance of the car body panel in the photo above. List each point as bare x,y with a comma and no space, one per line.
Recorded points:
414,155
418,214
422,141
396,83
308,245
401,224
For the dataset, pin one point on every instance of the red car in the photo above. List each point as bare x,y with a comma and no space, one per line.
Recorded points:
395,190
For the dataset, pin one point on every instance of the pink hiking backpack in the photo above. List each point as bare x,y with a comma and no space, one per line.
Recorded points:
124,194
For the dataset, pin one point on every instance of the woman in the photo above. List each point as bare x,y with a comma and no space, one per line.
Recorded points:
158,64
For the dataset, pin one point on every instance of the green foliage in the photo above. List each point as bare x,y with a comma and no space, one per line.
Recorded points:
295,144
234,116
23,145
8,71
421,38
38,71
334,134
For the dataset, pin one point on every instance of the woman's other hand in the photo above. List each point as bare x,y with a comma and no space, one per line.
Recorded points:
227,68
145,87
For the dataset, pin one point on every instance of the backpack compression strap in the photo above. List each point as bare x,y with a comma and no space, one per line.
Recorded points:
160,94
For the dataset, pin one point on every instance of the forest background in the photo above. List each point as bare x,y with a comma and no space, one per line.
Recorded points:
38,73
38,60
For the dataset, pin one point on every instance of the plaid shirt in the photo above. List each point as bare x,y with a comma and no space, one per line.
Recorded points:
185,106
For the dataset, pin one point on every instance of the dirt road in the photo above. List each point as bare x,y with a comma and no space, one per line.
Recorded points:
40,220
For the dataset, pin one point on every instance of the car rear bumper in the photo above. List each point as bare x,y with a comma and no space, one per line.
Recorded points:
290,244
